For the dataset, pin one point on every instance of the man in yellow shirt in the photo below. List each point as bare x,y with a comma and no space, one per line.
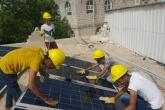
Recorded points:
28,58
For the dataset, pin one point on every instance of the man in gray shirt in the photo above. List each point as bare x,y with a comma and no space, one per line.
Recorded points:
102,66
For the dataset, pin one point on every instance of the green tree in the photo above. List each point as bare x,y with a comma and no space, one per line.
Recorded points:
63,30
18,18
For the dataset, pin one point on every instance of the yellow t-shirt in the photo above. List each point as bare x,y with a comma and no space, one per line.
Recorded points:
20,59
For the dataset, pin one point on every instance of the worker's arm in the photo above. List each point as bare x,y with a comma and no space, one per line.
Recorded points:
121,92
112,100
132,101
91,67
86,71
32,85
35,90
103,71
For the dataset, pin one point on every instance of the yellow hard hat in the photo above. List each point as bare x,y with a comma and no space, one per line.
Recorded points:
98,54
46,15
117,71
57,56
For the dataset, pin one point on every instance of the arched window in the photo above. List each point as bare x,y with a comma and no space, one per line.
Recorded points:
89,6
68,8
108,5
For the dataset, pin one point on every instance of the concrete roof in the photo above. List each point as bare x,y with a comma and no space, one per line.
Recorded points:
77,48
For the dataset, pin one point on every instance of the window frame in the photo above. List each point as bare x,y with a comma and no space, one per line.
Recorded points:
68,10
108,5
89,6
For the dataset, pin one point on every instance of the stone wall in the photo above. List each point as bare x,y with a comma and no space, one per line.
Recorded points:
84,23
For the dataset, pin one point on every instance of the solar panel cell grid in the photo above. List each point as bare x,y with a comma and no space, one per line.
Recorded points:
77,62
5,49
69,72
71,96
2,83
20,108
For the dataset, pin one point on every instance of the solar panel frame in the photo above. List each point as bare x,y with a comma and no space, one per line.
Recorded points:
2,85
3,89
70,73
6,49
84,83
20,108
19,103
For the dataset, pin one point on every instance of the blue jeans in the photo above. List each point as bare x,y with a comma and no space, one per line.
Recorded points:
141,104
13,90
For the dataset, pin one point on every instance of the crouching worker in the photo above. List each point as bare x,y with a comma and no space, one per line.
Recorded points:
143,93
101,67
27,58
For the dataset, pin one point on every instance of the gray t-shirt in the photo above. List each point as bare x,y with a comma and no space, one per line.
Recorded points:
108,62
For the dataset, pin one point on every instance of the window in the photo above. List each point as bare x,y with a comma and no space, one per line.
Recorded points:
108,5
68,8
89,6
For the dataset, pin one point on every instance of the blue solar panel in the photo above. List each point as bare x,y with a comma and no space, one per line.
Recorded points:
2,84
69,72
5,49
71,96
77,62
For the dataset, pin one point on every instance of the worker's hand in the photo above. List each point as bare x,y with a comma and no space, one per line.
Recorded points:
51,102
110,100
91,77
44,77
81,72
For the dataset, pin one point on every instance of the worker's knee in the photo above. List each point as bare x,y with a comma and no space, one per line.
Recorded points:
124,99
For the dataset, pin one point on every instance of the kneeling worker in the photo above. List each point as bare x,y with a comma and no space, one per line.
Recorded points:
102,66
143,93
27,58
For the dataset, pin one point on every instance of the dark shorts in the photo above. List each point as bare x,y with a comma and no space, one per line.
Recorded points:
13,90
141,104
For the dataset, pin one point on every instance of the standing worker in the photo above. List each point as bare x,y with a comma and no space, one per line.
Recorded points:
102,66
48,30
143,93
27,58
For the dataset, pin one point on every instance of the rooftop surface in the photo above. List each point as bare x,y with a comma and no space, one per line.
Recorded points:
82,49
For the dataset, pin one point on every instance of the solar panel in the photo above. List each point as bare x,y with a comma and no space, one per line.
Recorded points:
71,96
20,108
77,62
2,85
5,49
71,71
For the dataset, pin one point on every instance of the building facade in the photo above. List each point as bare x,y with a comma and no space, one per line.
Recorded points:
85,16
